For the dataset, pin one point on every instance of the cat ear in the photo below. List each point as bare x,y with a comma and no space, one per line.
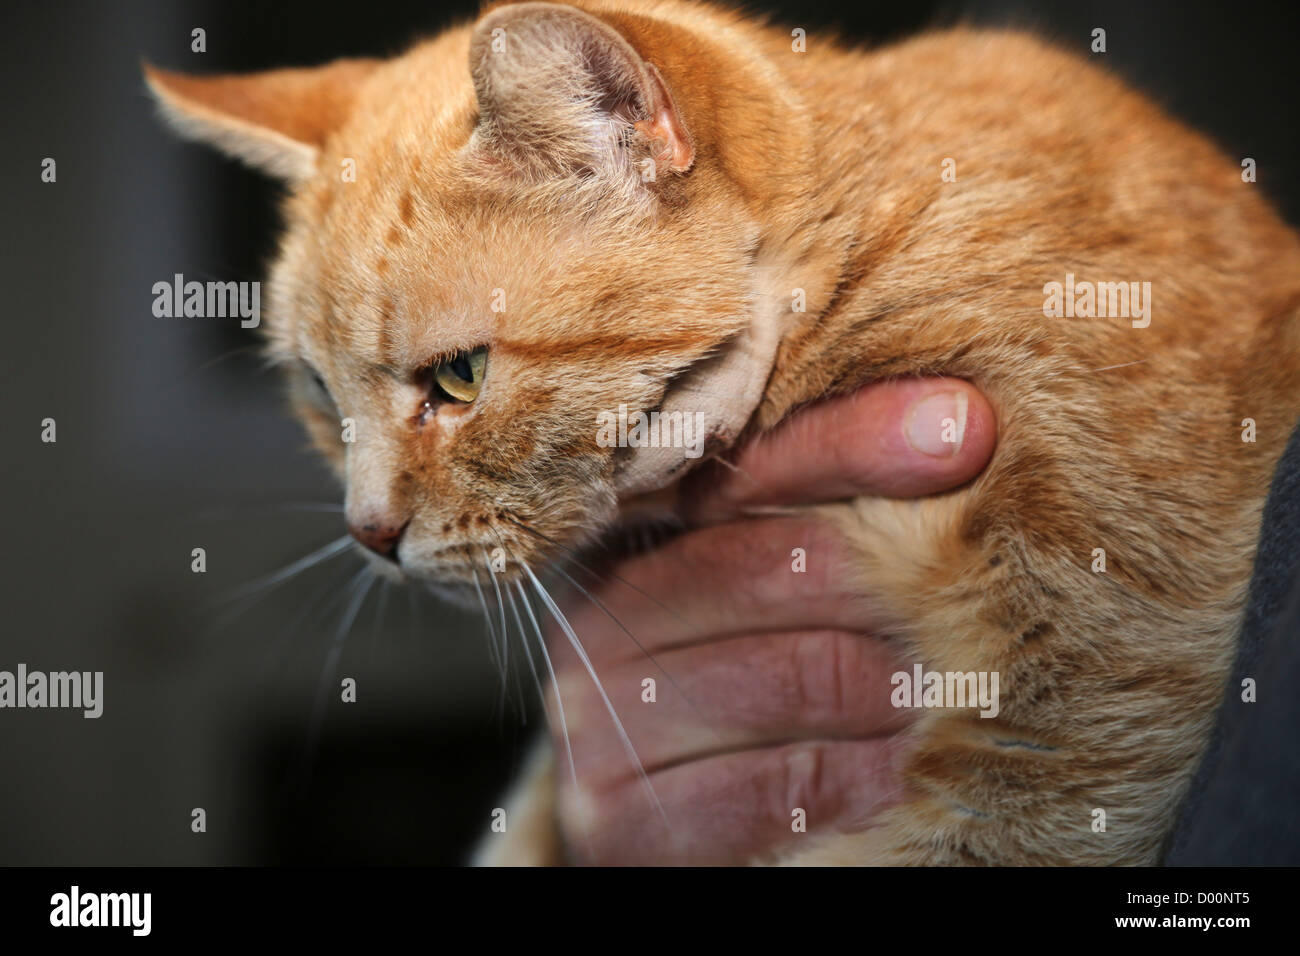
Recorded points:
562,88
275,121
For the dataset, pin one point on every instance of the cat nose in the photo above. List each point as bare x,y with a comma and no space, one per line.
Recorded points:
379,537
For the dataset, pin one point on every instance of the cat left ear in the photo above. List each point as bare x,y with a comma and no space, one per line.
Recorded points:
276,121
561,88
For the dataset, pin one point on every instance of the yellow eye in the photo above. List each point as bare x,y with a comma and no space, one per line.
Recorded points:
462,377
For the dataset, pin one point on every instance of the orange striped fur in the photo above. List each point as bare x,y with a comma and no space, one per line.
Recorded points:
524,172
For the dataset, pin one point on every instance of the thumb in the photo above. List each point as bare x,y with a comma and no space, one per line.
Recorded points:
900,439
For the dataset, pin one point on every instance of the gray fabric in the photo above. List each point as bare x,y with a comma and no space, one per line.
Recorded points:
1244,804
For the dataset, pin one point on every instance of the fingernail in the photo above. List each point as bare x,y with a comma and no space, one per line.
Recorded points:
936,424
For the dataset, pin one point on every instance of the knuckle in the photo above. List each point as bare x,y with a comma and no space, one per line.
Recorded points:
799,784
820,663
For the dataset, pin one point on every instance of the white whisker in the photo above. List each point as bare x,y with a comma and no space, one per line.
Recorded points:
493,650
332,658
382,605
505,639
492,642
320,555
571,557
274,507
559,706
600,688
523,641
600,605
322,603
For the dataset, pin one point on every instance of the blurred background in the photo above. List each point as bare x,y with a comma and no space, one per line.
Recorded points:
172,437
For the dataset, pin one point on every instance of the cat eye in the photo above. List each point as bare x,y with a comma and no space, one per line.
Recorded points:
461,378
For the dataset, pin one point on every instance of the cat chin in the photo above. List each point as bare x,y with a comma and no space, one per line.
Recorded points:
459,594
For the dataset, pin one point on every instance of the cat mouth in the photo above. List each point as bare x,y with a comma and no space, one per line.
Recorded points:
471,573
509,551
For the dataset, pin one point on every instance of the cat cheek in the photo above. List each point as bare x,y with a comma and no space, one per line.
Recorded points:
324,434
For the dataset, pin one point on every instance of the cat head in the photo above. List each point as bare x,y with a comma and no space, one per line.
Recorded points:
497,246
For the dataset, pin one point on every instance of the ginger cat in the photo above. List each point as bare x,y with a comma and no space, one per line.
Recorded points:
561,209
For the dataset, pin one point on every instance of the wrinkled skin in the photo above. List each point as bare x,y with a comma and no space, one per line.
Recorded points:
786,684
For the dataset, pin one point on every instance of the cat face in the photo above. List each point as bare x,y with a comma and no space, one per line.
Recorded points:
481,266
455,378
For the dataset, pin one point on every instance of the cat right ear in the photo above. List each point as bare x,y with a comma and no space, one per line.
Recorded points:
276,121
562,89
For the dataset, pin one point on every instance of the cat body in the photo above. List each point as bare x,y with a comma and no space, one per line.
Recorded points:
675,209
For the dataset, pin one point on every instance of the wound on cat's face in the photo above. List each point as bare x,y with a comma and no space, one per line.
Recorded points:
491,241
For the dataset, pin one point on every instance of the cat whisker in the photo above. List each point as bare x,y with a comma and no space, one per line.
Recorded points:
523,639
559,701
492,643
414,609
573,559
505,644
528,654
610,614
733,467
319,556
493,649
578,649
505,639
273,507
359,586
622,627
238,350
336,595
332,507
546,657
239,600
381,605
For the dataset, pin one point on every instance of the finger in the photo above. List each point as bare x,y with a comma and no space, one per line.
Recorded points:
734,808
900,438
735,694
726,580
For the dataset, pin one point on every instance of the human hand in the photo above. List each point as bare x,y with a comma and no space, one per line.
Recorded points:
770,692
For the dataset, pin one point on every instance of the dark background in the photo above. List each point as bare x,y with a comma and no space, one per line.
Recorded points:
171,437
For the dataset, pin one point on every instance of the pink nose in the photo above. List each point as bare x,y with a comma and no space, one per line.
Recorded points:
379,537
